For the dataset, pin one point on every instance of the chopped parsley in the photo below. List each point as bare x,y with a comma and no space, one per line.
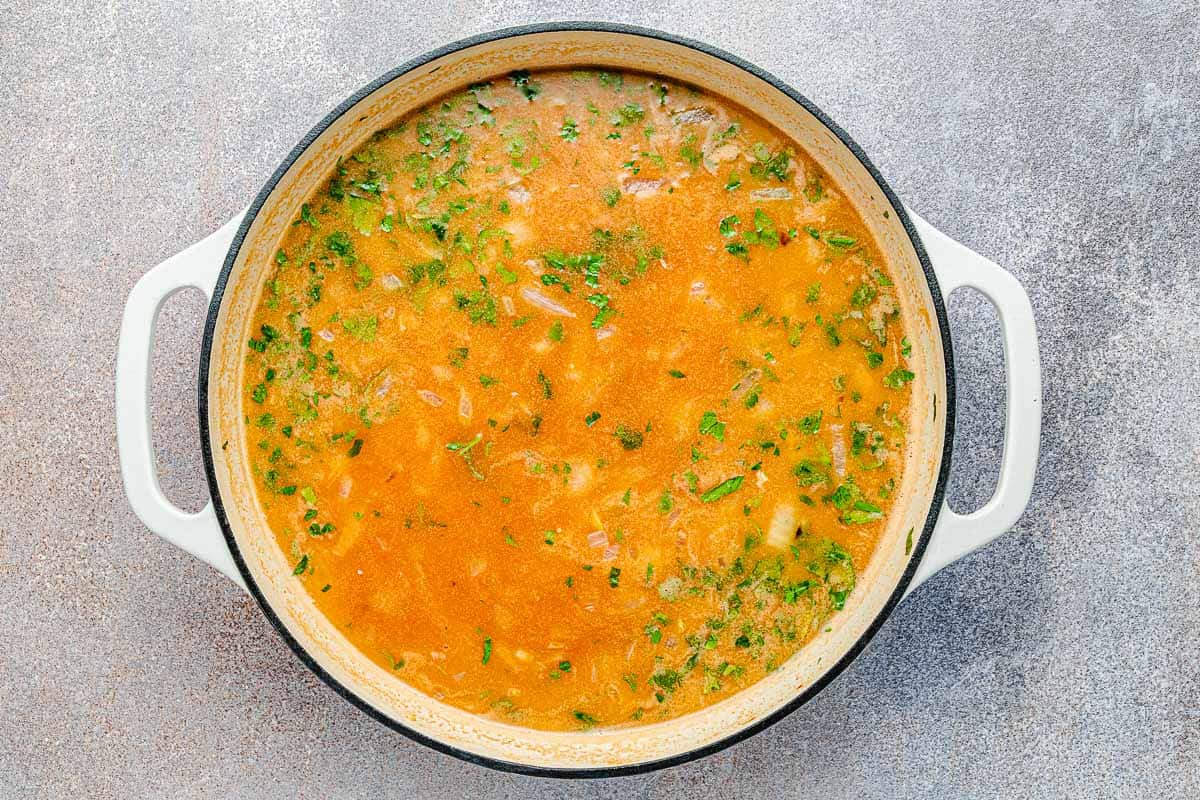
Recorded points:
520,79
898,378
711,426
725,487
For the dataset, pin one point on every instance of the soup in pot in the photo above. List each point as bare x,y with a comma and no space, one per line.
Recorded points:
578,398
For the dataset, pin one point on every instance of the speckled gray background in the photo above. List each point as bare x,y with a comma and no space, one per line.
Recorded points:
1061,139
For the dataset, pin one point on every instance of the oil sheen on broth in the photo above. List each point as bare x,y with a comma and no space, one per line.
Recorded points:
576,398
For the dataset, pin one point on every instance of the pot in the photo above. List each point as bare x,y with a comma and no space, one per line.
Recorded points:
922,534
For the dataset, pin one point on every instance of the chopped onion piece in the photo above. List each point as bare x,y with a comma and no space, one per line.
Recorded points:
693,116
726,152
510,308
430,397
581,476
597,539
670,588
327,335
782,529
604,333
747,382
610,552
642,187
774,193
384,386
838,448
465,408
698,288
390,282
519,194
534,297
483,96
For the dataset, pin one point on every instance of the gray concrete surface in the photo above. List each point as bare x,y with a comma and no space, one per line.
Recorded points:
1061,139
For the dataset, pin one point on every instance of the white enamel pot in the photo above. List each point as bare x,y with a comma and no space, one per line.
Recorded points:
922,534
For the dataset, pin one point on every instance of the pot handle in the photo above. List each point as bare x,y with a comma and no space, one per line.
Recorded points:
957,535
198,266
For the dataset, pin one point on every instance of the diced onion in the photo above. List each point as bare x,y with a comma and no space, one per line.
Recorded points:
838,448
697,288
465,407
344,488
726,152
747,382
390,282
327,335
610,552
774,193
782,529
430,397
519,194
604,333
670,588
534,297
597,539
692,116
510,308
642,187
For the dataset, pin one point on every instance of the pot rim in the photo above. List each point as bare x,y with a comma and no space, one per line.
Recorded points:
948,416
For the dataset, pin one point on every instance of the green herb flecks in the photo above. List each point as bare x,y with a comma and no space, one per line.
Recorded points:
520,79
710,425
722,489
898,378
464,449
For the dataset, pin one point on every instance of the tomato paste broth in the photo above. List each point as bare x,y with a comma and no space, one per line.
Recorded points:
578,398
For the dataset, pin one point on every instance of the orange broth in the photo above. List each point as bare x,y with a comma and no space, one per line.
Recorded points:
577,398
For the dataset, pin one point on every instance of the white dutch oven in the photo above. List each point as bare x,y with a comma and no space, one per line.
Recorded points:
922,535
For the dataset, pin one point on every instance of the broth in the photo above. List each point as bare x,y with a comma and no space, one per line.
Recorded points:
576,398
